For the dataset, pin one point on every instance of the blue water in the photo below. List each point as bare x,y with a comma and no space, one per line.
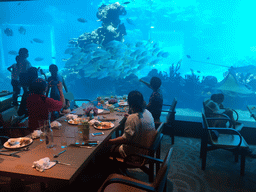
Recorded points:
209,36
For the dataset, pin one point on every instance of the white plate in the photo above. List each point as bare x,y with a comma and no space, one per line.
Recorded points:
122,103
74,121
18,145
111,125
100,111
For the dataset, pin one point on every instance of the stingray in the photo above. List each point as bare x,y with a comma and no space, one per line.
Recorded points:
230,86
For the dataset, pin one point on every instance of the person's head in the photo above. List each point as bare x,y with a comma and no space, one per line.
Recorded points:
155,83
136,101
32,74
38,86
23,53
218,98
53,69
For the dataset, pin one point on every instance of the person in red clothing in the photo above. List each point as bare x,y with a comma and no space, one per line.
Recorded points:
39,105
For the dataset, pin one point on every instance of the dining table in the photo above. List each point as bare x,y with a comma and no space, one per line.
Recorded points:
77,157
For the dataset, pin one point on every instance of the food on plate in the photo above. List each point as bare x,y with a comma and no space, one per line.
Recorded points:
104,125
24,141
76,121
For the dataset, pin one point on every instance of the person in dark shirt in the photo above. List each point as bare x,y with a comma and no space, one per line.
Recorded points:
156,99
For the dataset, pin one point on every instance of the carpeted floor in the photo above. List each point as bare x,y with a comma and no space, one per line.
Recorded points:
222,174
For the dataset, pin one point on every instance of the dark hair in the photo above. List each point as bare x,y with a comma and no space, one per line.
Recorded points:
217,97
32,74
23,52
136,101
155,83
38,86
53,68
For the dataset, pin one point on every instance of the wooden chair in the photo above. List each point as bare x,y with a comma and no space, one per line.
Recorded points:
170,118
13,125
210,113
72,100
228,139
117,182
145,166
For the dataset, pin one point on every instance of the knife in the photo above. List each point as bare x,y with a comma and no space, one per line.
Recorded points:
13,155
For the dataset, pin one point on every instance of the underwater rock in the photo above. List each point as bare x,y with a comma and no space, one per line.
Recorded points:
111,29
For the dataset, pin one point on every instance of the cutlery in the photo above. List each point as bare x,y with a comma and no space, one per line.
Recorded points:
57,162
13,155
57,155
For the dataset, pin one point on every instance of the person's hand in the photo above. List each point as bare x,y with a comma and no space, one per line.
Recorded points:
59,85
126,115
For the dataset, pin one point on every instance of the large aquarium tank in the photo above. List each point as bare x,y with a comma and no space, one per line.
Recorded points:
103,47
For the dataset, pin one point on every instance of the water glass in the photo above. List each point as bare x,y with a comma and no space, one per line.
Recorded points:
41,128
63,139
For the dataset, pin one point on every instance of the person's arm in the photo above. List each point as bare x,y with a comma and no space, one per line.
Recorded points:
10,68
118,140
64,85
146,83
62,99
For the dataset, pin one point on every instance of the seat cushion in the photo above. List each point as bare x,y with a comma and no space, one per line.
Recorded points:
119,186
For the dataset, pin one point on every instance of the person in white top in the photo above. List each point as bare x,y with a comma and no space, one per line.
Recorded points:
139,128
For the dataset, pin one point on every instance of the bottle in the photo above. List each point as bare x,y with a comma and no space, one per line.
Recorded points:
91,115
48,135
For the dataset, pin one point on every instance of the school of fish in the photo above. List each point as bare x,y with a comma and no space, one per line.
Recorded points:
115,59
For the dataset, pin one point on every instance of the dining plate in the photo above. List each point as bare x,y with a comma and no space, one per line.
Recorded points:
18,143
104,126
122,103
74,121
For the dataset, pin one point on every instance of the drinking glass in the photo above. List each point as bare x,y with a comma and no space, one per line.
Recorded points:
42,129
63,139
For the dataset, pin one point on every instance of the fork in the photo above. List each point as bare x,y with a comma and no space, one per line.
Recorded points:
57,162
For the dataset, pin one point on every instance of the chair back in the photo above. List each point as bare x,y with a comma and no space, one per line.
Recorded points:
206,133
161,178
171,113
158,138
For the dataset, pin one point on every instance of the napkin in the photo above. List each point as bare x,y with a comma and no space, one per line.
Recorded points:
55,124
36,134
43,164
71,116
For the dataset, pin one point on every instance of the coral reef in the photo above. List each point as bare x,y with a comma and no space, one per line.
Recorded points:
111,28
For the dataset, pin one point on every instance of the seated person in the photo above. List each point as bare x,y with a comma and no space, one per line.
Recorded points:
139,128
32,75
216,107
156,99
39,105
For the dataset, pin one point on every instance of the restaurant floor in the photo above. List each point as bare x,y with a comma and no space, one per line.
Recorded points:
185,174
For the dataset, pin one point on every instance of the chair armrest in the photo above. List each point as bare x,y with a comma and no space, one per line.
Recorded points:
146,157
224,117
229,130
82,100
128,182
167,105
